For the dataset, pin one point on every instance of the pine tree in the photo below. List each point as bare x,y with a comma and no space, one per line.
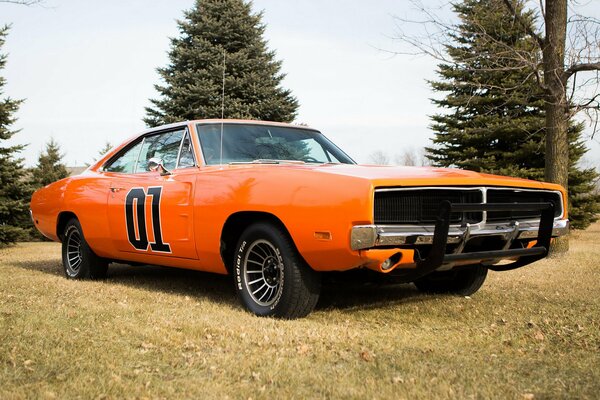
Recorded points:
14,191
50,167
107,147
211,31
495,121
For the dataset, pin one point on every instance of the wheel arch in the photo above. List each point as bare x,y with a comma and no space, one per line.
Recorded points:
234,227
61,222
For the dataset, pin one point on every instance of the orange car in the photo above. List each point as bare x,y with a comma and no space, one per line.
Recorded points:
275,205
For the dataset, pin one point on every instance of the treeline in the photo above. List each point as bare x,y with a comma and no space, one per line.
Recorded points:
492,110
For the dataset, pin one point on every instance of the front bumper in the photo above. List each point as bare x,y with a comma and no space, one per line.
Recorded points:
370,236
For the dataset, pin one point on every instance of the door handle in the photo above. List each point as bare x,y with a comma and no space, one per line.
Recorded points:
116,189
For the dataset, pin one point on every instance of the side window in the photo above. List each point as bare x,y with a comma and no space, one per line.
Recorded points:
125,163
164,146
186,157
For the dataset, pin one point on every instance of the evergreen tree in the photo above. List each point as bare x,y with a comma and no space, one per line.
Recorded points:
50,167
14,191
107,147
495,121
210,31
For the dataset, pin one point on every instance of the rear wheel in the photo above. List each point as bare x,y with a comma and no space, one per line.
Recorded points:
270,277
463,281
79,261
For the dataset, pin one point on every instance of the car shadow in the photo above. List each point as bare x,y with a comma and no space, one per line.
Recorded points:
361,290
340,291
49,267
183,282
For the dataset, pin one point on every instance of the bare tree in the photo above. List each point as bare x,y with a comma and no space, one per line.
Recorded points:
566,65
379,157
412,157
22,2
597,187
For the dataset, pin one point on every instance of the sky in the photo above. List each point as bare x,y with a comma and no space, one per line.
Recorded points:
87,69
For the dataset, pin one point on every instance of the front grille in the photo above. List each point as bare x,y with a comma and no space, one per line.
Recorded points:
520,196
420,206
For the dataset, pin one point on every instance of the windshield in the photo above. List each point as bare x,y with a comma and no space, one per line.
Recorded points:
253,142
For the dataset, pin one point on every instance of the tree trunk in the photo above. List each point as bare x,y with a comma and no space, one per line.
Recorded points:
557,117
557,156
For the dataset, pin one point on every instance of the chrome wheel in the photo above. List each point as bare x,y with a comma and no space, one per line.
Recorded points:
74,254
263,272
270,277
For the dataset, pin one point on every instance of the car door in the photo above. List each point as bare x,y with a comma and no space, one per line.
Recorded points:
150,212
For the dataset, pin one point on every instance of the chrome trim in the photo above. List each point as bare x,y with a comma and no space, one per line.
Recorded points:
187,134
512,236
484,200
401,189
464,239
180,147
368,236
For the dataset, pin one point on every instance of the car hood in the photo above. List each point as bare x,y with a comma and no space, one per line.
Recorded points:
386,176
377,175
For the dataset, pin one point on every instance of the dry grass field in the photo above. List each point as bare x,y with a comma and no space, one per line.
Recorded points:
150,332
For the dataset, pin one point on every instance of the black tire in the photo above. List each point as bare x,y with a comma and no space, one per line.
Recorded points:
270,277
462,281
79,261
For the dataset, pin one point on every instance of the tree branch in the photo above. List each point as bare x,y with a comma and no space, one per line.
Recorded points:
541,42
582,67
22,2
588,104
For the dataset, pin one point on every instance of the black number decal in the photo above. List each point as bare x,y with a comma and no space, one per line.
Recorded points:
136,198
158,244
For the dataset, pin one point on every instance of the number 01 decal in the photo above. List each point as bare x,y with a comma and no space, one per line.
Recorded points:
135,202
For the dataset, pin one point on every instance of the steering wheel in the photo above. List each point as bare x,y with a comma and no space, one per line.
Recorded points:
310,159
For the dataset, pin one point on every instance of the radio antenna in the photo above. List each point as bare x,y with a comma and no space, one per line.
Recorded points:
222,111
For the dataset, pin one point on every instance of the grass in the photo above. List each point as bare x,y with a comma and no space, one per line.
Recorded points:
151,332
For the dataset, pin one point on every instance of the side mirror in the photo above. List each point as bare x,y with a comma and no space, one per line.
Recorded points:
156,164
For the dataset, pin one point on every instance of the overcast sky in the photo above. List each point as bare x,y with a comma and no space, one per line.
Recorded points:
87,70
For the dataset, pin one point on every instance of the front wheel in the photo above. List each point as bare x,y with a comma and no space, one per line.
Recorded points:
79,261
463,281
270,277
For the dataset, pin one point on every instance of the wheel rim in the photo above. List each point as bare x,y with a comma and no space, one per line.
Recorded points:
74,256
263,272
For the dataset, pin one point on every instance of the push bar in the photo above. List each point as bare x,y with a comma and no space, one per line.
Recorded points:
437,255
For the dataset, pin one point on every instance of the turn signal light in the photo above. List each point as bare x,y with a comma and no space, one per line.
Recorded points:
323,235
